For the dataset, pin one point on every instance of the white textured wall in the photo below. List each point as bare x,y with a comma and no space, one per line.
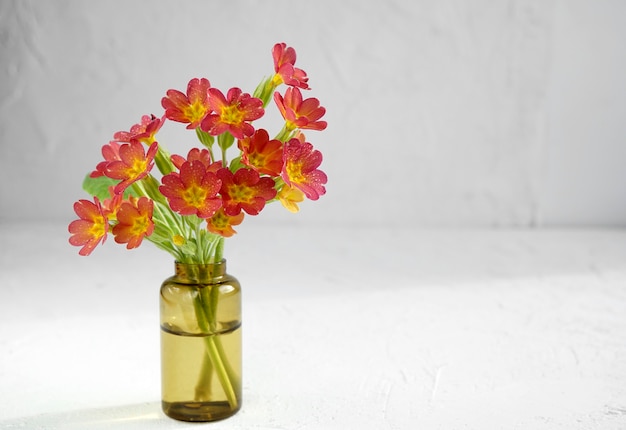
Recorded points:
584,174
441,113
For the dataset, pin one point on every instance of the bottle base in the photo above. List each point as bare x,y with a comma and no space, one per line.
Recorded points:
198,411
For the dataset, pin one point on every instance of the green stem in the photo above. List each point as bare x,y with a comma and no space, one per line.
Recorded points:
219,249
207,140
199,243
285,134
205,307
222,373
203,386
212,298
232,377
163,161
224,158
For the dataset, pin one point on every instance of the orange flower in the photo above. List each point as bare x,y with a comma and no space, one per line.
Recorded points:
300,113
194,154
144,132
134,221
300,168
110,152
245,190
193,191
284,61
92,227
190,108
222,224
134,164
233,113
111,204
261,153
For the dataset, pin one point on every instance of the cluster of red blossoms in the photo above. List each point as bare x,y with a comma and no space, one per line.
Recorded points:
200,188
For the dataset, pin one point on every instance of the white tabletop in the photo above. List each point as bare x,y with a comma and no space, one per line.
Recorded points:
343,329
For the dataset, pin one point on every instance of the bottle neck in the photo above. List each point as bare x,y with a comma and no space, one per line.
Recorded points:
199,273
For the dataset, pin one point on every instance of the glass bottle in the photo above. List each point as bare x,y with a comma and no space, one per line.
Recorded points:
200,310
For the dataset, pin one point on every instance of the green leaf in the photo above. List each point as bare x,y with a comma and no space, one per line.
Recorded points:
265,90
99,187
258,91
236,164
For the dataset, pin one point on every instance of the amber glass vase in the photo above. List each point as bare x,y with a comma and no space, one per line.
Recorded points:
200,343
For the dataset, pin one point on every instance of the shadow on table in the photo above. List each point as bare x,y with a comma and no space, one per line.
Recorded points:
144,415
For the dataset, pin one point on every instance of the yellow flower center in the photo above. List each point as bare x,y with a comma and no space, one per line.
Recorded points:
195,112
220,220
256,159
97,228
138,167
140,225
294,172
231,115
240,193
194,196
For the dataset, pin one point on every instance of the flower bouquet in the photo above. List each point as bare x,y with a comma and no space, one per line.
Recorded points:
195,201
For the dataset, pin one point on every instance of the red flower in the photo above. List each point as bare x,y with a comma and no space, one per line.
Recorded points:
112,204
194,154
91,228
134,221
232,113
190,108
222,224
300,168
144,132
298,113
110,152
193,190
284,61
261,153
134,164
245,190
